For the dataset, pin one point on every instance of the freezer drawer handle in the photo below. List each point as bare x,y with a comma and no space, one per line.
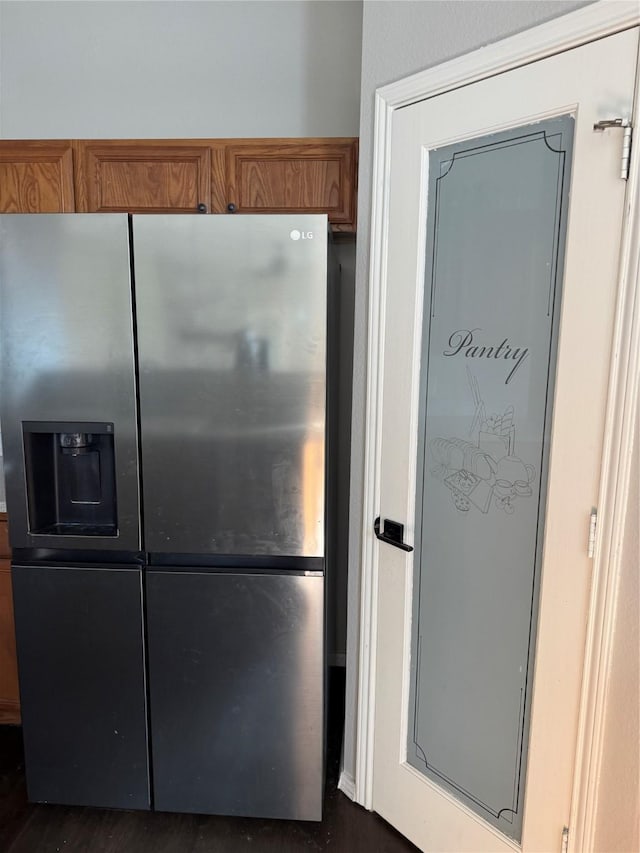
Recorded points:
392,534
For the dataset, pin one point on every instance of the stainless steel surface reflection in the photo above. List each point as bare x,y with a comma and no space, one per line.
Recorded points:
232,342
236,665
66,352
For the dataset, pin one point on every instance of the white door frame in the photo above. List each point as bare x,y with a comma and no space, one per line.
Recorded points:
571,30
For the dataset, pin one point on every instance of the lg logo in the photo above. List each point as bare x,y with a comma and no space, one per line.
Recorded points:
301,235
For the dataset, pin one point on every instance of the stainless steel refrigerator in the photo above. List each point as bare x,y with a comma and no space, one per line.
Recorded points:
164,420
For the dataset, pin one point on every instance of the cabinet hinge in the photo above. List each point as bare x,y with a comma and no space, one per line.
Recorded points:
593,526
627,129
565,839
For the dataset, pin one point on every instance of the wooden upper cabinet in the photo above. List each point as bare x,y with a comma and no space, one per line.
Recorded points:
182,176
143,176
294,176
36,177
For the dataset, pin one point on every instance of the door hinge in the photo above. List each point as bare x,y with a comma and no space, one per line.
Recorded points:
593,525
627,128
565,839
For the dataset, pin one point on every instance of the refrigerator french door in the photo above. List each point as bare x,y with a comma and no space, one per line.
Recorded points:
163,412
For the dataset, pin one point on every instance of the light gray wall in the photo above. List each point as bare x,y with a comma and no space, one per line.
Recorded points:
179,69
398,39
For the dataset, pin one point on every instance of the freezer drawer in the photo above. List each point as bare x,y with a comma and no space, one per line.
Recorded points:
236,677
82,685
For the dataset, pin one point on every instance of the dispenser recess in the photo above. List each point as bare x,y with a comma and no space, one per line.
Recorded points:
70,474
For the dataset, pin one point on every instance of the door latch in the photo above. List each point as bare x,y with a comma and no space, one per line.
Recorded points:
392,533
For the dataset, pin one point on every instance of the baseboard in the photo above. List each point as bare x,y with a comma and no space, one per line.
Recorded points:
338,660
347,784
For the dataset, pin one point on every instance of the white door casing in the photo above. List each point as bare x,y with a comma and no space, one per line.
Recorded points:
399,217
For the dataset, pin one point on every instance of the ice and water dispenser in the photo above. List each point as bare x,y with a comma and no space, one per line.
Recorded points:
71,478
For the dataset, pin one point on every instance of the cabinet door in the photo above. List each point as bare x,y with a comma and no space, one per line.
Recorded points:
294,176
9,697
142,176
36,177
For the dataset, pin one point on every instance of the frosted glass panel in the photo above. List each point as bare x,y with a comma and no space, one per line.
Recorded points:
495,238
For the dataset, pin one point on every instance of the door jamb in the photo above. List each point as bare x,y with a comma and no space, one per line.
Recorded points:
568,31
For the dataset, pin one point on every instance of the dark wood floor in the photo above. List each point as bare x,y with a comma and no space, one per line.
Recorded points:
26,828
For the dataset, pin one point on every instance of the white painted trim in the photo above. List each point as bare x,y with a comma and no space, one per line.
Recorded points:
347,784
569,31
371,492
584,25
622,411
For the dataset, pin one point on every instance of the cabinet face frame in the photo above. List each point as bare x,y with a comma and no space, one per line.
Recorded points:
57,155
93,155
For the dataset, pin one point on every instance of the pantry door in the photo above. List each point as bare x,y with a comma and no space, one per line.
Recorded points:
505,214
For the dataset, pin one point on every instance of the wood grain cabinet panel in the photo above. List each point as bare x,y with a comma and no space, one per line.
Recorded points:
9,694
5,550
143,176
36,177
294,176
